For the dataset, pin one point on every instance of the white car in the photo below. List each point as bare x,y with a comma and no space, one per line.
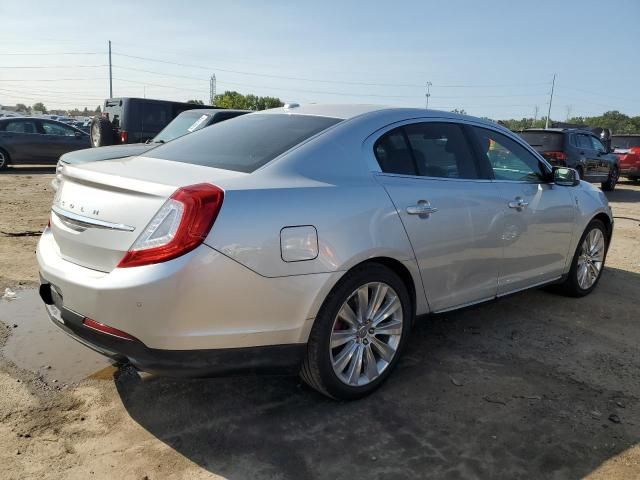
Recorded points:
309,238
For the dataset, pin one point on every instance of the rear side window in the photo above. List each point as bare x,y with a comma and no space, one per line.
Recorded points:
545,141
393,154
441,150
151,116
428,149
245,144
21,126
584,141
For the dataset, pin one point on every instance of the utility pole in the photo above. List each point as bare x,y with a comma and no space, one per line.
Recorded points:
428,94
553,84
569,108
212,90
110,73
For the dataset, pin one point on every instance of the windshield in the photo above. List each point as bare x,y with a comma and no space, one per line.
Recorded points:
244,143
184,123
625,142
545,141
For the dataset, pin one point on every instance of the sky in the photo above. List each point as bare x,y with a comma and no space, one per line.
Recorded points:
491,58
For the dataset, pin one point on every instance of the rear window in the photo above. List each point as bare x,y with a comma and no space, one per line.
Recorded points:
245,143
545,141
625,142
113,111
184,123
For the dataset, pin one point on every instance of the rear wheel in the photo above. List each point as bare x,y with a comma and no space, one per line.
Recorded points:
588,261
580,171
611,182
4,159
101,132
358,334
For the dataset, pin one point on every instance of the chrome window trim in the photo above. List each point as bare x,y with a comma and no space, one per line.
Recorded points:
374,167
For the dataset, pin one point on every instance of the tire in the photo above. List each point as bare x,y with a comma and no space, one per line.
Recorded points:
4,159
580,172
101,132
611,182
572,286
318,369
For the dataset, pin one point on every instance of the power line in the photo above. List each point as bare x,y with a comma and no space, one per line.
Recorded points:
51,53
53,66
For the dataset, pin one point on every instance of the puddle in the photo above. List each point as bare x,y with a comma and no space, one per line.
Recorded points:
36,343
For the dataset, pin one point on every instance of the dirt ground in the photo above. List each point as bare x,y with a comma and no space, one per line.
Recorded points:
532,386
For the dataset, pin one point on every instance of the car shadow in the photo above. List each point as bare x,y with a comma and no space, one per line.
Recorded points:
535,385
624,194
28,170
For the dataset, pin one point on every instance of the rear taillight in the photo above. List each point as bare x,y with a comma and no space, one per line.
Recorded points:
180,225
124,136
557,156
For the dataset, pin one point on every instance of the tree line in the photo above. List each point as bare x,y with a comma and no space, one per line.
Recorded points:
614,120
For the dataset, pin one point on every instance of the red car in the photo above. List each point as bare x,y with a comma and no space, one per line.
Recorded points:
627,147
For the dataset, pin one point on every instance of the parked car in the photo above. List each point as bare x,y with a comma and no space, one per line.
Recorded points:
37,140
577,149
133,120
309,238
185,123
627,148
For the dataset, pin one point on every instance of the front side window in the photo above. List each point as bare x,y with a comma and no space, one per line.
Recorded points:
21,126
508,159
51,128
597,145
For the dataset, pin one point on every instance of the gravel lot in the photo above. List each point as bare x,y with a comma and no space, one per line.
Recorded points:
532,386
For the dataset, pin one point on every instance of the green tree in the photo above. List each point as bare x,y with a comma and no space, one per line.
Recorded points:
197,102
21,107
39,106
232,99
98,110
461,111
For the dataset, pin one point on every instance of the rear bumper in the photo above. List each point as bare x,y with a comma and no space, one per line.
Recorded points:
633,171
200,301
182,363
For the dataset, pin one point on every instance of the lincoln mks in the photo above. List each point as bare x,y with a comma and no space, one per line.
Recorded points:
309,238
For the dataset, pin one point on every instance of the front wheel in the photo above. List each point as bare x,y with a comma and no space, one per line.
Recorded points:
588,261
358,334
611,182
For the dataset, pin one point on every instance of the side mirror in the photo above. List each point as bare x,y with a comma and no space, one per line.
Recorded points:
565,177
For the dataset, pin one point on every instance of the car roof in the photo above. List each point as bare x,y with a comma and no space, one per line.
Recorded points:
558,130
214,110
347,111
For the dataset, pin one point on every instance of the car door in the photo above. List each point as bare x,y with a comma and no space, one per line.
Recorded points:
61,139
590,155
450,213
538,216
22,141
603,160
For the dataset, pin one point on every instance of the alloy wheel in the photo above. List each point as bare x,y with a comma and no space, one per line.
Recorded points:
591,259
366,334
3,160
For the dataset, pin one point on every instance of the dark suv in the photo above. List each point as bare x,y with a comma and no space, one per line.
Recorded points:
133,120
578,149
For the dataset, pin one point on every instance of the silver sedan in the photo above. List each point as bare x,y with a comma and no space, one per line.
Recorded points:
309,239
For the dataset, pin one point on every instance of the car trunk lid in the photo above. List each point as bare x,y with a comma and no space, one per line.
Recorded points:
101,208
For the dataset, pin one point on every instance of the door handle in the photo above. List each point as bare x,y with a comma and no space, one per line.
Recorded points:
423,209
518,204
